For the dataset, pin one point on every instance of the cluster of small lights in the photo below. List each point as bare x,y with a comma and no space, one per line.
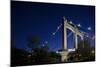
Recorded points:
57,29
88,28
46,42
79,25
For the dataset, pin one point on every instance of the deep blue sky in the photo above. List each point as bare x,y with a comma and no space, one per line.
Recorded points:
42,19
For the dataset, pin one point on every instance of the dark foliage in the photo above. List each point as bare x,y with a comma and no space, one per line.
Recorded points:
38,55
84,53
18,57
33,41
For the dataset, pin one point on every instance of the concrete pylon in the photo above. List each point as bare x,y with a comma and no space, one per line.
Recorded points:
64,34
63,52
75,40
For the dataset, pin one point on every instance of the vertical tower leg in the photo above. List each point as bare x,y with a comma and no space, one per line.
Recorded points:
75,41
63,52
82,39
64,35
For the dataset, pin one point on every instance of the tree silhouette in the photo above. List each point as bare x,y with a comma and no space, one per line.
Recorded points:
33,42
40,54
18,57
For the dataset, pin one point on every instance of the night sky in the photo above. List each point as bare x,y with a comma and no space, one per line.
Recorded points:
42,19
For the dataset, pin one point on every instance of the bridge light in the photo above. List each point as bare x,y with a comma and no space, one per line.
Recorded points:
89,28
57,52
53,33
71,22
79,25
58,27
46,42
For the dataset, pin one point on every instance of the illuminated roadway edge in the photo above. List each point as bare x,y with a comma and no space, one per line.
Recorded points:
69,50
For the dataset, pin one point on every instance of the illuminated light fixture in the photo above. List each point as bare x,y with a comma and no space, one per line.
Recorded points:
58,27
71,22
89,28
53,33
57,52
79,25
46,42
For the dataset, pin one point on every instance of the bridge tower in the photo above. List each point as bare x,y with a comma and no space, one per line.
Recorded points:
64,52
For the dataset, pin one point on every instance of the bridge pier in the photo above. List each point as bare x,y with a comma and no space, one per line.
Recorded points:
64,56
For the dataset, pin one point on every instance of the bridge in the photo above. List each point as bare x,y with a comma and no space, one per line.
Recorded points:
65,25
77,33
